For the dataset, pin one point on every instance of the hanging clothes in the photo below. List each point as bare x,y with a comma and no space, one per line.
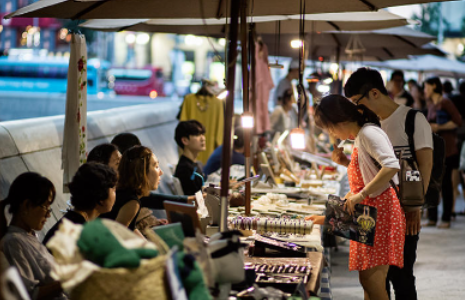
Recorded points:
263,86
208,110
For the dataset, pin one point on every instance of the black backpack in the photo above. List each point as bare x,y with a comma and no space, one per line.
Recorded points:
432,196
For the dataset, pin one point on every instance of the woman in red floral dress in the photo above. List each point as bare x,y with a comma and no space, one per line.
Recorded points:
369,185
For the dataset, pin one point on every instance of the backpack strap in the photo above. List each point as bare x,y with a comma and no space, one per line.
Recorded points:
410,130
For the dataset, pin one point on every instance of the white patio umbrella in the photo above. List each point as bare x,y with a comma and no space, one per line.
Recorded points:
264,24
124,9
75,132
380,45
440,66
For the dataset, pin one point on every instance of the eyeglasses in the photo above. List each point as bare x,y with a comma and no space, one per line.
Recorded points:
360,99
46,208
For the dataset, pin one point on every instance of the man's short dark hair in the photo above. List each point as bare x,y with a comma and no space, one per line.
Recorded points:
362,81
186,129
435,81
101,153
398,73
239,138
90,185
125,140
447,87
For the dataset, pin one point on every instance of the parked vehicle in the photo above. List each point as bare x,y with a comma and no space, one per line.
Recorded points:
143,82
49,75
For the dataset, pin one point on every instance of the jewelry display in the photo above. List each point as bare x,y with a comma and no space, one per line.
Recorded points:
281,226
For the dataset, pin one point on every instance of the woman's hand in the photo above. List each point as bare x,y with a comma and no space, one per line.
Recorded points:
351,201
319,220
339,157
348,195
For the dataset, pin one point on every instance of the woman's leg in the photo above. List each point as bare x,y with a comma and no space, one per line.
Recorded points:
374,282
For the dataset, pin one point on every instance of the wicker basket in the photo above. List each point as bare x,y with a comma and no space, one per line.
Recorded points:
145,282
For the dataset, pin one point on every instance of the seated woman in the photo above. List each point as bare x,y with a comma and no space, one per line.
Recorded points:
139,173
106,154
123,142
30,197
92,193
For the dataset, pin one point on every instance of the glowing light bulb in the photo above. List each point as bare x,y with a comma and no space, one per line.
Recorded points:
247,120
298,138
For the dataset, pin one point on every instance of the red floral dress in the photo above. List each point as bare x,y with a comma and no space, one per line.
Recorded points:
388,247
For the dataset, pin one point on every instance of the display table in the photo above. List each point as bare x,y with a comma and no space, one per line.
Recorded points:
317,261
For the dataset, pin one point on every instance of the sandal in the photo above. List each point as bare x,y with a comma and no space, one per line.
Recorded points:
429,224
444,225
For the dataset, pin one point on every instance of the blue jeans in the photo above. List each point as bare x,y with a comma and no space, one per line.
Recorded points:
403,280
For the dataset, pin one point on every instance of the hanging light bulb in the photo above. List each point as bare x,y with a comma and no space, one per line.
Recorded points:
295,44
247,120
298,138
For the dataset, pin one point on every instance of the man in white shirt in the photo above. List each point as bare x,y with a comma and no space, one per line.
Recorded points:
366,87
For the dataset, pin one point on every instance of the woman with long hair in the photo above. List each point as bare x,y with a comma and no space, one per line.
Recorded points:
372,165
444,119
30,198
139,173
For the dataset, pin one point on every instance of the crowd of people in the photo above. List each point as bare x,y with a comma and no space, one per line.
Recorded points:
120,178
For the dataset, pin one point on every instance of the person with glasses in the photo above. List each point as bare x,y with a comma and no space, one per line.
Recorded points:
372,165
29,201
366,87
92,193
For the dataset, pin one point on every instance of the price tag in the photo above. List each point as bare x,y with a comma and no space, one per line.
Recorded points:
202,208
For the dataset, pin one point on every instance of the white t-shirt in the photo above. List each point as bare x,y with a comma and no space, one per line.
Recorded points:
394,126
373,143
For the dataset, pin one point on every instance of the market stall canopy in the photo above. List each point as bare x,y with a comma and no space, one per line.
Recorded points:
137,9
264,24
379,45
441,66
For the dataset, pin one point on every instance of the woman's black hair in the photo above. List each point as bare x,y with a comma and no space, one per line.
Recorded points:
125,140
102,153
334,109
90,185
29,186
435,81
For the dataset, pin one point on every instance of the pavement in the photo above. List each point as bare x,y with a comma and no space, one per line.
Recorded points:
440,266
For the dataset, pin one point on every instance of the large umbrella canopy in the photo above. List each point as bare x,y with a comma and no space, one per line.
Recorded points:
381,45
440,66
124,9
264,24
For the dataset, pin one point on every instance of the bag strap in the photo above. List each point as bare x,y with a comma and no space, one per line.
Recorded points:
391,182
410,130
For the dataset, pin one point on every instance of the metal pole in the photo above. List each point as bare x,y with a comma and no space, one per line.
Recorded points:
245,101
253,94
228,114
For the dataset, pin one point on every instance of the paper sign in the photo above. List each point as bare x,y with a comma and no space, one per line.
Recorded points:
202,209
12,287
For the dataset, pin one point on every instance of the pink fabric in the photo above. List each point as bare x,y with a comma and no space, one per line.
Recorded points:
263,85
